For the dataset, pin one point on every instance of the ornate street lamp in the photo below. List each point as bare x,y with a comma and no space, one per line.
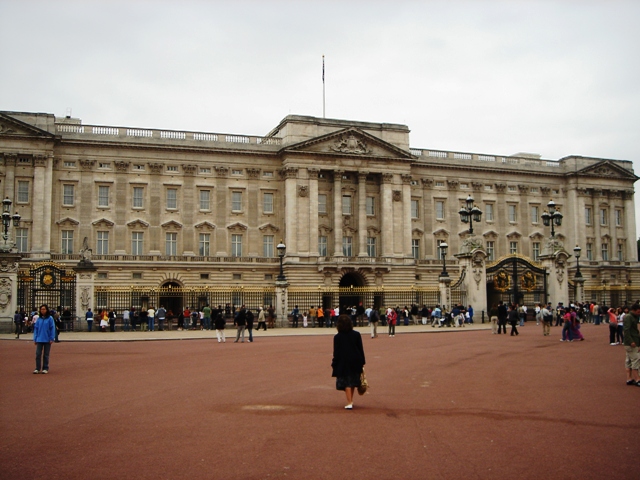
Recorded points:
470,213
7,219
552,217
282,249
443,249
576,252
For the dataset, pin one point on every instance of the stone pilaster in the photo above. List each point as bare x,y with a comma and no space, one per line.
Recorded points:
38,210
362,214
579,283
291,209
386,208
444,283
472,260
282,304
313,211
85,283
557,277
9,263
406,216
337,213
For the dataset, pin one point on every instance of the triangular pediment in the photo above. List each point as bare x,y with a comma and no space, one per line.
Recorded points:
11,126
351,142
607,169
137,224
238,227
205,226
268,228
68,222
103,222
171,224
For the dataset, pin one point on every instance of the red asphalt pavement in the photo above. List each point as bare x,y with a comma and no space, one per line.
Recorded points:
464,404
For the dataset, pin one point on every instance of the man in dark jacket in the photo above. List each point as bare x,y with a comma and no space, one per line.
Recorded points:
240,321
502,318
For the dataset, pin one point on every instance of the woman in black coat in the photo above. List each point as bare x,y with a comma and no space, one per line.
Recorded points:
348,358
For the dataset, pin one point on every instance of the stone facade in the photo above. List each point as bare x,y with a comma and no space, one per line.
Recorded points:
189,208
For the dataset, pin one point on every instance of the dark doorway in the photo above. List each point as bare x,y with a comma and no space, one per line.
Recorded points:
350,296
171,300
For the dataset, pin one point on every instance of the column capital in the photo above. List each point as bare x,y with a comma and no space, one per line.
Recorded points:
406,179
313,173
387,177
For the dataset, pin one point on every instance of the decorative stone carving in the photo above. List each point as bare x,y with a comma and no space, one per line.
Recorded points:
253,172
351,144
190,169
545,190
560,268
552,246
583,192
289,172
303,191
397,195
87,164
156,167
222,171
39,161
6,129
313,173
406,179
501,187
387,177
453,184
8,267
470,244
523,188
121,166
427,182
9,158
85,297
477,186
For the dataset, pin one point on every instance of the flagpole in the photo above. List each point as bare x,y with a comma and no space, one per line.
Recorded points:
323,97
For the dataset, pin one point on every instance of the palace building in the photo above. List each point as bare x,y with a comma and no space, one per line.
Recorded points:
353,202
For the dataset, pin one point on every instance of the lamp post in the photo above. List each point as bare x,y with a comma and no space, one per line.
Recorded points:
282,249
576,252
552,217
443,249
470,213
7,219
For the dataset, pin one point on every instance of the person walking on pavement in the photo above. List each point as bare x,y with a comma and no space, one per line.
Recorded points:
513,320
348,358
262,317
89,318
631,343
240,321
374,316
219,322
44,334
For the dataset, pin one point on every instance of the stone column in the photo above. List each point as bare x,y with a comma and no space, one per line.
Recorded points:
222,212
557,279
282,303
38,209
445,292
337,213
631,253
9,264
406,216
472,260
386,208
291,210
9,179
597,229
362,214
85,278
313,211
579,283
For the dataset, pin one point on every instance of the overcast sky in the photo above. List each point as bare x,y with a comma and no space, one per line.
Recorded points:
501,77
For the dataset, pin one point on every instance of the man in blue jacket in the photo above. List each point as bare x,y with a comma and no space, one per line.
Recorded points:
44,333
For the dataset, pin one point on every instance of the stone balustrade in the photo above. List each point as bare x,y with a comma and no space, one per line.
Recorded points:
424,154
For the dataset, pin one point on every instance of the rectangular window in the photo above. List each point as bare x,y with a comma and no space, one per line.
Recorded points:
103,243
322,203
347,246
371,206
138,197
136,243
103,275
371,246
590,251
513,247
322,246
204,242
22,239
440,210
267,203
488,212
513,213
415,248
136,275
491,255
236,201
68,195
414,209
267,246
172,168
605,252
172,198
103,196
603,216
618,218
171,243
620,253
23,192
346,204
67,242
535,214
587,216
205,199
536,251
236,245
